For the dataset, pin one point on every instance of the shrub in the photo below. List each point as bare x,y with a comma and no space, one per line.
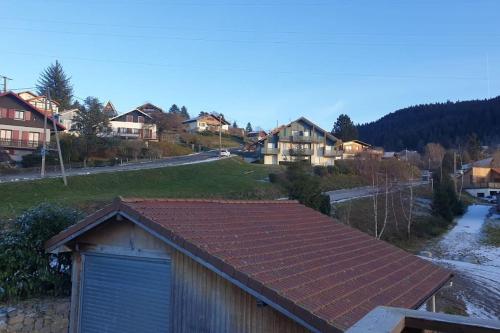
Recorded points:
320,171
273,178
25,269
332,170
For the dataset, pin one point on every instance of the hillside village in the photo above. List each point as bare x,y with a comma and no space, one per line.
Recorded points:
249,167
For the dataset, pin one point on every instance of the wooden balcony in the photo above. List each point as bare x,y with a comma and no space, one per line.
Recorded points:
396,320
494,185
297,152
301,138
331,153
23,144
270,151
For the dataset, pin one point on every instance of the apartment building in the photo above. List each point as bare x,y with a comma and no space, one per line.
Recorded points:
301,139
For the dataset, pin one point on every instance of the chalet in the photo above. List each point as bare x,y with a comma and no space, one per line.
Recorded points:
483,177
109,110
150,109
21,126
206,122
167,265
39,101
134,124
300,139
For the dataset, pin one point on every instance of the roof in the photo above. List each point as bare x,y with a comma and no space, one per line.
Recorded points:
358,142
147,115
325,273
224,121
310,123
33,108
484,163
149,106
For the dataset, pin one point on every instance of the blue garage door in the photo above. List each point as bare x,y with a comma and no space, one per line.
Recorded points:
125,294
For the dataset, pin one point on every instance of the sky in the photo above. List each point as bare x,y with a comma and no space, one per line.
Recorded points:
261,61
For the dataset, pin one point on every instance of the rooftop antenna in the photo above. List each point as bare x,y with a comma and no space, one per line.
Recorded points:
5,78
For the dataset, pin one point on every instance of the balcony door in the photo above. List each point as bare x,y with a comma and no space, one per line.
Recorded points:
5,135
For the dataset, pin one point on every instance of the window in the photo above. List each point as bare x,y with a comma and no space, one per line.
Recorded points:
140,119
34,137
19,115
129,118
5,135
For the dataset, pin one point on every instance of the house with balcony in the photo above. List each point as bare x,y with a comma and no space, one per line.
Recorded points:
482,179
22,126
39,101
301,139
134,124
207,122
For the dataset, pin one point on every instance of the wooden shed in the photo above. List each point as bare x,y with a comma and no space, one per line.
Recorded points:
232,266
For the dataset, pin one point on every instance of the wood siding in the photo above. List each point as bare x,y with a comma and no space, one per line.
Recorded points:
202,301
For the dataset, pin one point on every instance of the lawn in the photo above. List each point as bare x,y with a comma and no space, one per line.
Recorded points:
230,178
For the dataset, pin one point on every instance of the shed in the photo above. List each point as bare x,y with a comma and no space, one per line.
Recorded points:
166,265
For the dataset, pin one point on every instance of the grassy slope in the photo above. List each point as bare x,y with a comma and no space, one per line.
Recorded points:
231,178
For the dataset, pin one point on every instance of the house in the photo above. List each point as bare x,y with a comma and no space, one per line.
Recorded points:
150,109
359,149
483,178
206,122
66,117
109,110
134,124
39,101
300,139
21,126
177,265
256,136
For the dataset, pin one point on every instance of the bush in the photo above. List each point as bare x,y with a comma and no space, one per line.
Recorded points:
35,159
320,171
273,178
332,170
25,269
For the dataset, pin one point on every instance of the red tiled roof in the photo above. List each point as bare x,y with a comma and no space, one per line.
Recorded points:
326,273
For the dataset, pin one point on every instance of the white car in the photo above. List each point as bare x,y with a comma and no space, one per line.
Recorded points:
225,153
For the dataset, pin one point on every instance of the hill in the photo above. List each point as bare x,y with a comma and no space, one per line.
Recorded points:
447,123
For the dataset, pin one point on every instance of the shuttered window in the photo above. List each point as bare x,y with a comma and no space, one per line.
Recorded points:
125,294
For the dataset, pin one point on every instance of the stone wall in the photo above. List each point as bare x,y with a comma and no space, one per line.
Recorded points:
50,315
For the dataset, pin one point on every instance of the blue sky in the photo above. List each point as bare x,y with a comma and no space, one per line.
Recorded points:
262,61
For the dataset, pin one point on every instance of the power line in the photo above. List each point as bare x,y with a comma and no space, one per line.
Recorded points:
245,70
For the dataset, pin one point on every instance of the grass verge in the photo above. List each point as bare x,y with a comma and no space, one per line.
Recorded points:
229,178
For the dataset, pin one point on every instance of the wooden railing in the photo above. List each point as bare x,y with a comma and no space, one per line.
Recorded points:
270,151
397,320
332,153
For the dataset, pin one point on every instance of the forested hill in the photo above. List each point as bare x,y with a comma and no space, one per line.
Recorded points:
446,123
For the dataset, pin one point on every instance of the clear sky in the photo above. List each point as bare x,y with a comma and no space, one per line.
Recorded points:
264,61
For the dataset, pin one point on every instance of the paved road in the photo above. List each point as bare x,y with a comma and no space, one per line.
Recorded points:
362,192
203,157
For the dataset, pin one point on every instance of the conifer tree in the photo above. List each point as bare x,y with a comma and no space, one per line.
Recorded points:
54,79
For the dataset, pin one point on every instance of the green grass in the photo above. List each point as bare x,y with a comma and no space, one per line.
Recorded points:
492,233
229,178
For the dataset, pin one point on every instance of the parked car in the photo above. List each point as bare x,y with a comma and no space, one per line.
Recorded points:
225,153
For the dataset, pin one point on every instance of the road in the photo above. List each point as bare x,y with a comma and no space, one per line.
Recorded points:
203,157
362,192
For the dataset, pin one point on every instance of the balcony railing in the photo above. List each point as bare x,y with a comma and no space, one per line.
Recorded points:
397,320
301,138
296,152
270,151
25,144
331,153
494,185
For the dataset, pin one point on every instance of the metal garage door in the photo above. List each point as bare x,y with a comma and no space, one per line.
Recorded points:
125,294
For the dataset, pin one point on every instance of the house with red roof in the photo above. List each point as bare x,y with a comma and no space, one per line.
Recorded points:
167,265
21,126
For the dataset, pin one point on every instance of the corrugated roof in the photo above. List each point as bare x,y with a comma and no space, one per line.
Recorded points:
326,273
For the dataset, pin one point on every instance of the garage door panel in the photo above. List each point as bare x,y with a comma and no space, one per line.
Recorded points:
125,294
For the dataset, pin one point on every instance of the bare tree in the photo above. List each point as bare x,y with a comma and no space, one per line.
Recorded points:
434,153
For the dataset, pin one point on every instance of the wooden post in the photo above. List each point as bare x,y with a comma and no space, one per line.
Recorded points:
61,162
44,145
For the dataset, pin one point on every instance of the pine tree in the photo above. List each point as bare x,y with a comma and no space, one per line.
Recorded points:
184,112
90,118
54,79
344,128
235,125
249,127
174,109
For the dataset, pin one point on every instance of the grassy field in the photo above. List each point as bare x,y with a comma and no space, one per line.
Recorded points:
230,178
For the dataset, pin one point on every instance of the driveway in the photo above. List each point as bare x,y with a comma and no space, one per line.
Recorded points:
203,157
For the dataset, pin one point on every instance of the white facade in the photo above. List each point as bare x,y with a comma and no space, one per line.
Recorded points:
133,130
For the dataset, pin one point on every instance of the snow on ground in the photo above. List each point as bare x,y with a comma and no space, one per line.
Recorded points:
462,250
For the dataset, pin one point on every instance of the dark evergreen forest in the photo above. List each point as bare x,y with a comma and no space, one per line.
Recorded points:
449,124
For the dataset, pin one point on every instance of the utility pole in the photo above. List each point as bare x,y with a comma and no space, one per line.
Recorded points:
455,170
44,146
61,162
220,135
5,78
